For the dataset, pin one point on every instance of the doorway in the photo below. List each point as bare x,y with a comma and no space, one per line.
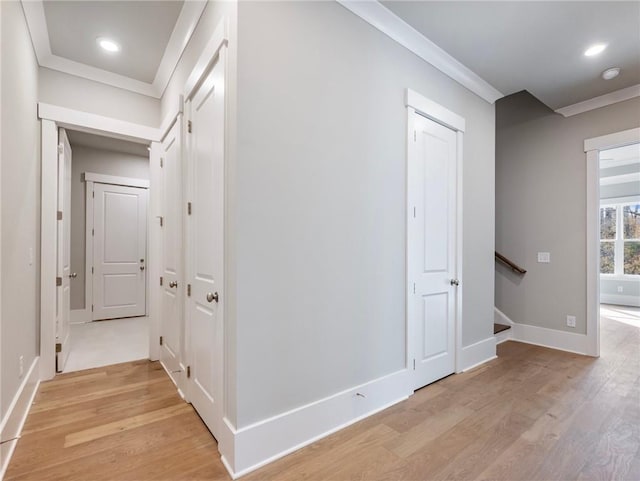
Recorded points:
433,240
613,229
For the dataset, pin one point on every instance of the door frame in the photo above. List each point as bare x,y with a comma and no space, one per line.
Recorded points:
89,179
420,105
53,117
592,148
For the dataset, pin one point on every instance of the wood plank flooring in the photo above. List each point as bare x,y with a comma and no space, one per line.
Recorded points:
531,414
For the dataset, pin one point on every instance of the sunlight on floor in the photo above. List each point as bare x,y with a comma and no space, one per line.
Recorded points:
101,343
625,314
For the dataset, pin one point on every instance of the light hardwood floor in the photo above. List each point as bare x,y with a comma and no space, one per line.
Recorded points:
532,414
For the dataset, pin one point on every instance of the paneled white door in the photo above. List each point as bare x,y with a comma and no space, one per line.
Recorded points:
431,309
172,316
119,251
205,245
64,252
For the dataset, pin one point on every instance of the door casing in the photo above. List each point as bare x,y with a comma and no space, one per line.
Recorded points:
418,104
52,118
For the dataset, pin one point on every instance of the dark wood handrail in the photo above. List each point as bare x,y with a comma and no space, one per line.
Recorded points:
514,267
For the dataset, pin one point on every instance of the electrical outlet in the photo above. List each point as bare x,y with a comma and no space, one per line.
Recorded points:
21,367
571,321
544,257
620,289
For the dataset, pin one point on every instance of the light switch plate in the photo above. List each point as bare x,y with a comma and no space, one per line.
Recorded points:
544,257
571,321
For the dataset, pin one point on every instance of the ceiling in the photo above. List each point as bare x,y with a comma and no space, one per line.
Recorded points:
152,35
99,142
142,29
536,46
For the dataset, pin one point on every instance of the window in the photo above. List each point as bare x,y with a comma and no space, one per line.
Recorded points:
620,239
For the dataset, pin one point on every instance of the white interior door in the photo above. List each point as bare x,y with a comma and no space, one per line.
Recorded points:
172,316
431,309
63,303
205,245
119,251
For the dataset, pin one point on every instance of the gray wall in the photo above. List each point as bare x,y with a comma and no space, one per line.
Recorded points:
320,193
541,205
77,93
87,159
20,202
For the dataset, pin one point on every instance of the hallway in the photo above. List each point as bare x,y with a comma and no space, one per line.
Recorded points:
533,413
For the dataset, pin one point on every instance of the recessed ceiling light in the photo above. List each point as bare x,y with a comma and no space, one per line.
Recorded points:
108,44
611,73
595,49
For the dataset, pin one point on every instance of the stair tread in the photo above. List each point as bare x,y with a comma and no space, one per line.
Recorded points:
499,327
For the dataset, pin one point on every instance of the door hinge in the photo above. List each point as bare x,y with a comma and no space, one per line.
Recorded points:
93,232
60,149
188,290
189,126
93,194
161,280
161,220
92,270
58,347
161,340
189,208
161,162
414,287
58,281
414,136
91,307
414,364
188,371
59,215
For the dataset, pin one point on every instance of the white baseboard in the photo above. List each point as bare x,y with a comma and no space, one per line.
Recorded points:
502,336
619,300
265,441
80,316
542,336
13,421
477,354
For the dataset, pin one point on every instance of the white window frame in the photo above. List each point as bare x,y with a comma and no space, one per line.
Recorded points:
618,255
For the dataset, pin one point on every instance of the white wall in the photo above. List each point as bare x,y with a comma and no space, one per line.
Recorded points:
20,201
77,93
320,193
87,159
541,206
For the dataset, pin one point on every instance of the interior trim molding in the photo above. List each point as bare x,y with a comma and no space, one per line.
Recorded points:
616,139
265,441
115,180
380,17
182,32
620,300
13,421
97,124
600,101
478,353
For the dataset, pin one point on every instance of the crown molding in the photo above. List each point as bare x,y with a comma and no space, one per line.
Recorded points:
380,17
601,101
182,32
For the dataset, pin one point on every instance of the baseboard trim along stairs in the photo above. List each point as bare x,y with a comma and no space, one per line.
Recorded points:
540,336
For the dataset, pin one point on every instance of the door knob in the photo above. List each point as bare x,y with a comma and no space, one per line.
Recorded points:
455,282
74,275
173,284
141,268
212,297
